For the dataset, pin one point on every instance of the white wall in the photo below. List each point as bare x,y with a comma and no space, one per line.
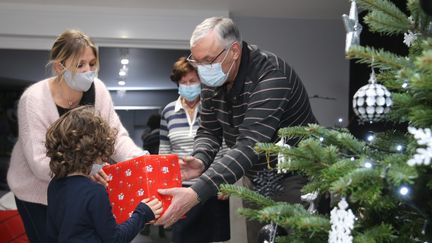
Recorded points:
32,26
315,49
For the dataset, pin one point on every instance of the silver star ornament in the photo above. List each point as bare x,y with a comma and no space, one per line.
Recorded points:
352,27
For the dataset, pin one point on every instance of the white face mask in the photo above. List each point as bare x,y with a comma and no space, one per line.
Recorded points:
79,81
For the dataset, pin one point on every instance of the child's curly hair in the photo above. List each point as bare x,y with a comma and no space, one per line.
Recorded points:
77,139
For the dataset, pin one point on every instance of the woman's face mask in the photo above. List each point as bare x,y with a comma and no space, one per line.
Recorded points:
79,81
189,92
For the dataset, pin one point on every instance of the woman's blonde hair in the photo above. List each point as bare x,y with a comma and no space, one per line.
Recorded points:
76,140
70,45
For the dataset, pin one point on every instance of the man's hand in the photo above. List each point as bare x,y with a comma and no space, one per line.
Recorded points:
191,167
183,199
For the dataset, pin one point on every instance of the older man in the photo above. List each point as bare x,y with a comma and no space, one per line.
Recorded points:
247,95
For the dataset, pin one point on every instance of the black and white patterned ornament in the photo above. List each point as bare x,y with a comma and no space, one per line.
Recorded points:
372,101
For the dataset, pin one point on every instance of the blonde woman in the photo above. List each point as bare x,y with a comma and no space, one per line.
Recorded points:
74,62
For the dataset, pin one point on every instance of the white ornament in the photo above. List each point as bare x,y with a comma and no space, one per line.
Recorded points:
342,223
310,198
411,20
409,38
424,154
281,157
372,101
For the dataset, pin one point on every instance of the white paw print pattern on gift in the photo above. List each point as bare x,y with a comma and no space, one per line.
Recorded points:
165,170
128,172
140,192
149,168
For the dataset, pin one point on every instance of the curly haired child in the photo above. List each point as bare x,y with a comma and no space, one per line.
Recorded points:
78,208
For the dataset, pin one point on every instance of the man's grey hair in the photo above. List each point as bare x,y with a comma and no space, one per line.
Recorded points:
225,28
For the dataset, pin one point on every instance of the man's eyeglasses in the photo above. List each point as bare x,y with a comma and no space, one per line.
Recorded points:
196,64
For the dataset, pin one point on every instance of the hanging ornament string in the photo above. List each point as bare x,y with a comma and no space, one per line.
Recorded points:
281,157
273,234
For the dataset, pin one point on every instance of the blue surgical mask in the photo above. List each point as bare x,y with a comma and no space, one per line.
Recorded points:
212,74
79,81
189,92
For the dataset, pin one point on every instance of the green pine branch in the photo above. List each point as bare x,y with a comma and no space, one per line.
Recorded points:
391,80
421,118
399,172
380,233
363,185
329,175
425,62
381,23
291,216
246,194
338,137
402,103
309,157
421,19
385,17
378,58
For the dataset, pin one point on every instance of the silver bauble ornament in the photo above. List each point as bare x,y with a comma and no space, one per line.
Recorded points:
372,101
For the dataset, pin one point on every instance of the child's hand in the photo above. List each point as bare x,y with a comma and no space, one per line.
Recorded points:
155,205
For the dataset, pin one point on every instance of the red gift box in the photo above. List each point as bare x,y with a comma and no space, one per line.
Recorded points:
12,227
133,180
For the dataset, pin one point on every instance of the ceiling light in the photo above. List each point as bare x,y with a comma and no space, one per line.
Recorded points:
124,61
121,83
122,73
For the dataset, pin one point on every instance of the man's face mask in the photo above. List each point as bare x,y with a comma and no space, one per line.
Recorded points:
212,74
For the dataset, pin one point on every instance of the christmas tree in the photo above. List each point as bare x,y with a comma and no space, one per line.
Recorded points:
381,188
